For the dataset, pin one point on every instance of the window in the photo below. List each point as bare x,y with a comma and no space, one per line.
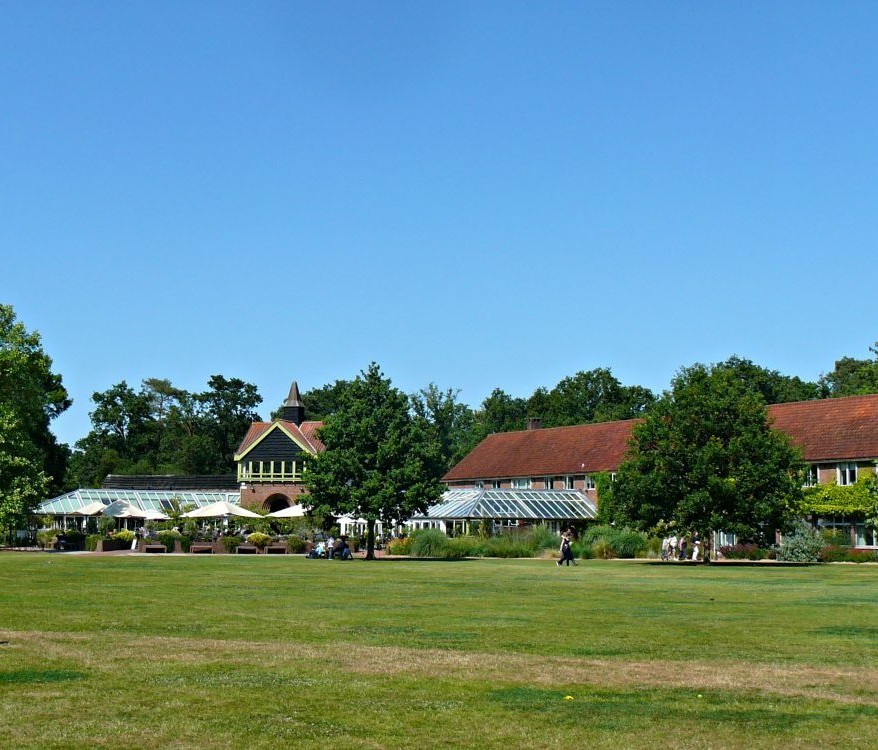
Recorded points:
495,484
549,483
521,484
479,484
811,476
589,482
569,483
846,474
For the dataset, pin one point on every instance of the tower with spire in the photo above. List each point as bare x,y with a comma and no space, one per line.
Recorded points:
293,410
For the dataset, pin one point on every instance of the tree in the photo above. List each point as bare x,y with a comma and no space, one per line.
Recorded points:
448,421
853,377
774,387
379,463
31,396
165,430
592,396
706,457
322,402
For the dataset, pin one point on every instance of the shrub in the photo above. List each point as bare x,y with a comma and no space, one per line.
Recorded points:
429,543
124,535
508,545
400,546
45,537
91,542
168,537
621,542
258,539
744,551
834,553
295,544
459,547
803,544
231,542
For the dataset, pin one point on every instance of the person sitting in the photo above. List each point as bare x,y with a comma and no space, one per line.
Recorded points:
344,550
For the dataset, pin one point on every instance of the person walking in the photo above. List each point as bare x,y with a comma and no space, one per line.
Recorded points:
565,551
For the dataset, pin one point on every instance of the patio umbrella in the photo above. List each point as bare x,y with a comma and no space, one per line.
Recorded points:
121,509
154,515
293,511
219,510
92,509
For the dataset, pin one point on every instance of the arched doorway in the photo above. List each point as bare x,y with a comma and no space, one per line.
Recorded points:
276,502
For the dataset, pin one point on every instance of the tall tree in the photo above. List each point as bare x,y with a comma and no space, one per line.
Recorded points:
448,421
853,377
380,463
324,401
32,463
229,408
592,396
774,387
706,457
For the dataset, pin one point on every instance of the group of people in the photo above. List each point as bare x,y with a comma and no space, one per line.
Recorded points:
677,548
332,548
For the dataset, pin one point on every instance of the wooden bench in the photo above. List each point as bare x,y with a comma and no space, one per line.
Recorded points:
246,549
276,549
154,548
201,548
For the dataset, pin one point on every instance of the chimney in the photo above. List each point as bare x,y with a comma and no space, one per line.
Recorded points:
534,423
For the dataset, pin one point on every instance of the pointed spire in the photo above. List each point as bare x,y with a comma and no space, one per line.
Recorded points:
293,410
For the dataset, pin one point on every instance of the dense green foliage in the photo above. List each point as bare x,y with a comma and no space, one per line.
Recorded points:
380,461
161,429
853,377
706,458
32,463
802,544
859,499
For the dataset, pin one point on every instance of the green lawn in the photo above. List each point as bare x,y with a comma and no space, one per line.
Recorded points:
252,652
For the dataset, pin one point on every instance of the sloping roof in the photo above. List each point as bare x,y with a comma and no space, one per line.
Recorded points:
555,450
304,434
156,500
515,505
832,429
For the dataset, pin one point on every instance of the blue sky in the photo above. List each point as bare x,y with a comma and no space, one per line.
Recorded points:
481,195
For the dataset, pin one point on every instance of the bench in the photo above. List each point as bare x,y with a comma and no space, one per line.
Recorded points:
246,549
201,547
154,548
276,549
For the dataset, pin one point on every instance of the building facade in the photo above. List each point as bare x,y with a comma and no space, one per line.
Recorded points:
838,439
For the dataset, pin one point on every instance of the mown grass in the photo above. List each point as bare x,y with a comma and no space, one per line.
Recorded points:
229,652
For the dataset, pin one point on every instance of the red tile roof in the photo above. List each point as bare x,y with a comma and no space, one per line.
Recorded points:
550,451
305,433
834,429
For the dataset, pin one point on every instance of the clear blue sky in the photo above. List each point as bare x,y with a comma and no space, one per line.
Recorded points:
490,194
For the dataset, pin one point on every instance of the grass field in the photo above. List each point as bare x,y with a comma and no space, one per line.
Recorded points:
253,652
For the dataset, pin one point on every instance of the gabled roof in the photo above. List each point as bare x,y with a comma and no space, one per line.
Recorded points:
304,435
832,429
516,505
556,450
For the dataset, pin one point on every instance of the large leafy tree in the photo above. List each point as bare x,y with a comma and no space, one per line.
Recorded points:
448,421
324,401
773,386
380,462
32,462
161,429
707,458
853,377
592,396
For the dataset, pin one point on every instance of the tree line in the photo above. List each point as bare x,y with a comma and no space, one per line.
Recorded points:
161,429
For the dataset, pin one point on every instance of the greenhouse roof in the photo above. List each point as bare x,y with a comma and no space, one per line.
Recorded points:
158,500
522,505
